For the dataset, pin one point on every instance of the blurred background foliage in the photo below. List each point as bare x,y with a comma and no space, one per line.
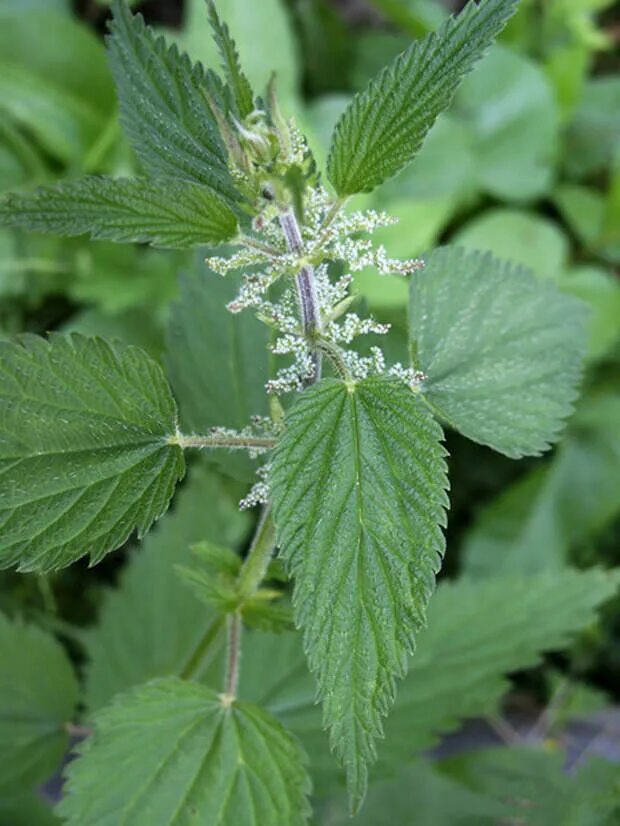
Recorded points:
526,163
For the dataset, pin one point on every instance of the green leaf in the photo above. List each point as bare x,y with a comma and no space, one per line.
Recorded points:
38,693
358,486
435,799
64,125
55,46
85,450
458,669
538,789
599,288
201,759
385,125
501,350
26,810
533,524
162,213
151,624
237,81
218,363
593,137
519,236
509,106
164,106
263,34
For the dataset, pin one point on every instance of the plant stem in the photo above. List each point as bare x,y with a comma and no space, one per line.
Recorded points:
259,556
235,628
232,442
306,287
259,246
196,661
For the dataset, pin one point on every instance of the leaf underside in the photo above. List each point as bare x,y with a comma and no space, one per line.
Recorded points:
198,762
162,213
384,126
501,350
358,486
84,451
164,106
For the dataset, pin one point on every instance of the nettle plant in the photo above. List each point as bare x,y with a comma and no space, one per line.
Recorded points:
347,449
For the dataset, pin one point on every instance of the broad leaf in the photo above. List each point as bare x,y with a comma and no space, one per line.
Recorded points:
201,759
533,524
458,669
164,101
537,788
358,485
38,693
384,126
151,624
524,237
162,213
85,452
218,362
237,81
501,351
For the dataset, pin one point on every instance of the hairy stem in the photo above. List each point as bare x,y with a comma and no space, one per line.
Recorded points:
235,628
232,442
306,287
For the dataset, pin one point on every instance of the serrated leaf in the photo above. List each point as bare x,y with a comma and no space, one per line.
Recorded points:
162,213
237,81
358,486
151,624
500,349
164,106
38,693
384,126
458,669
85,452
218,363
200,760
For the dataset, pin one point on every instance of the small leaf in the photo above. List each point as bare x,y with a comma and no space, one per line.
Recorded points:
500,349
201,759
384,126
164,106
151,624
161,213
358,485
237,81
38,694
85,452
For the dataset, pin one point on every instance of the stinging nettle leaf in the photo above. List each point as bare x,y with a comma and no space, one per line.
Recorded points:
164,103
459,668
174,214
237,81
85,448
201,759
34,711
384,126
358,486
501,350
